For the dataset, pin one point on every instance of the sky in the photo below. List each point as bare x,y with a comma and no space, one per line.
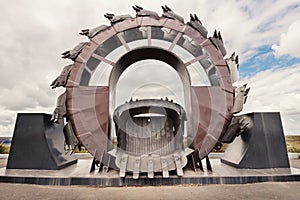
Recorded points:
265,34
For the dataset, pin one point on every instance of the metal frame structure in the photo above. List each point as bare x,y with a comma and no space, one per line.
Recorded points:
209,107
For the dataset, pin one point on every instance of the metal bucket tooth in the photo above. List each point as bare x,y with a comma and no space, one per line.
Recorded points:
136,170
150,168
123,165
164,166
178,164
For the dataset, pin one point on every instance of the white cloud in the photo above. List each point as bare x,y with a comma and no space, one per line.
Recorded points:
247,25
289,41
33,33
135,82
276,90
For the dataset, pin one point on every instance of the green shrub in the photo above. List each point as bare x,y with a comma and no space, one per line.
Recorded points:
83,150
4,149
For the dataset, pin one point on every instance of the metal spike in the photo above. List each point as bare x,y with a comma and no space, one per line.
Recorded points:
150,167
192,18
215,34
232,56
136,169
109,16
101,162
247,91
123,165
178,164
93,167
65,53
100,167
208,165
106,167
192,162
199,164
169,9
139,7
197,19
84,32
135,8
245,100
164,166
219,36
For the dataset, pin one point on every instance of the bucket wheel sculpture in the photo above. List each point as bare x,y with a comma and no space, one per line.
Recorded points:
149,143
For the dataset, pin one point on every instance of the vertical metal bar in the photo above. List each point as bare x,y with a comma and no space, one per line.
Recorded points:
123,165
141,133
159,141
200,163
178,164
208,165
165,169
127,141
136,169
149,35
168,140
153,126
145,127
148,133
135,135
93,166
164,138
150,167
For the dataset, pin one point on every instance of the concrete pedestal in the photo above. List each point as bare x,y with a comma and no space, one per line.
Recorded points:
260,146
38,144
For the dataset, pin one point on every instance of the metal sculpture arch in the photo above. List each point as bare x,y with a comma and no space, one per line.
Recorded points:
145,53
148,36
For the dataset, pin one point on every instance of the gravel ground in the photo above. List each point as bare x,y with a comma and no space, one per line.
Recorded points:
276,190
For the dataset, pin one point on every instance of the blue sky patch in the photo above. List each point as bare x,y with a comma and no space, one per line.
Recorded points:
264,59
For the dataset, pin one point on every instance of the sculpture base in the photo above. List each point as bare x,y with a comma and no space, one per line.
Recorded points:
38,143
260,146
79,175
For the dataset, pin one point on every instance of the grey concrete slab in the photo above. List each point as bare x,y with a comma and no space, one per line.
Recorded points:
3,163
79,175
37,131
261,146
295,163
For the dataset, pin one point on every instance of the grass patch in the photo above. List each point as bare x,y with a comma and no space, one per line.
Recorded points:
83,150
222,150
292,144
4,149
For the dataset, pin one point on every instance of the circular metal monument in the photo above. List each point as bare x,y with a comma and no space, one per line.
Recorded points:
89,101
